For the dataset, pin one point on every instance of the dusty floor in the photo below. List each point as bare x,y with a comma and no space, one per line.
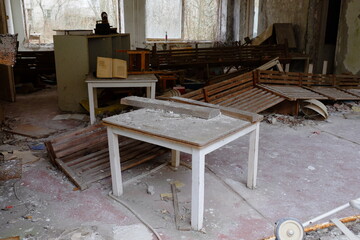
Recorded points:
305,170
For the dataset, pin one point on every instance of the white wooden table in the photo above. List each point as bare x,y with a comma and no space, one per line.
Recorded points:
195,136
141,80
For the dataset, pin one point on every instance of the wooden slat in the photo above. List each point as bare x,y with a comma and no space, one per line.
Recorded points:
292,92
86,160
334,93
72,141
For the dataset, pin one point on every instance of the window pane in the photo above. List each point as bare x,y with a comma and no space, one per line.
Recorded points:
44,16
163,16
201,19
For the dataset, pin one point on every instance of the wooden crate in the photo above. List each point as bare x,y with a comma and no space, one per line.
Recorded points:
83,155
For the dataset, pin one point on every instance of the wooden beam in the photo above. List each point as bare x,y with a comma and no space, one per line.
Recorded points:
180,108
232,112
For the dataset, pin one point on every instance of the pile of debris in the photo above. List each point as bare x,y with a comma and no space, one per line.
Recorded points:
292,121
332,233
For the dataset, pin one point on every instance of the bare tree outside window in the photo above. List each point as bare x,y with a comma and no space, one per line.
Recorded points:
201,20
195,20
163,18
45,16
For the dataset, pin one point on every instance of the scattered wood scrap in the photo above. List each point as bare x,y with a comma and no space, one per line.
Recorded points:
83,155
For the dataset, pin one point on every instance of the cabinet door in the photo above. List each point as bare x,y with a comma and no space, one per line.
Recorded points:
72,65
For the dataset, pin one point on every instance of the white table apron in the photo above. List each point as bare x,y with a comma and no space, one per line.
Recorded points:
198,162
116,83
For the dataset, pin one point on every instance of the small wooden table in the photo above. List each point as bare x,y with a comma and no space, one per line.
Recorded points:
141,80
181,133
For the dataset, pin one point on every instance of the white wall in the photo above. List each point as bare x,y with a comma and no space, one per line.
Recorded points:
134,16
17,19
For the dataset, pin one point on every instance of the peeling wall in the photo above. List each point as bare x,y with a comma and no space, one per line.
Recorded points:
347,58
289,11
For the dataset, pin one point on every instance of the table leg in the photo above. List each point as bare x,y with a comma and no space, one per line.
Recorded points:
175,158
197,189
253,157
150,91
91,103
115,167
95,98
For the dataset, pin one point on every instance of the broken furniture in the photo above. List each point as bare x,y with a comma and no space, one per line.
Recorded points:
181,133
277,33
144,80
138,62
8,49
83,155
222,56
75,57
239,92
295,87
261,89
30,65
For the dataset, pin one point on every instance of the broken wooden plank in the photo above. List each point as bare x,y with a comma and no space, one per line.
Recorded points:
192,110
248,116
176,205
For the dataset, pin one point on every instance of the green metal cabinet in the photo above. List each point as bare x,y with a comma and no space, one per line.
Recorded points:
75,57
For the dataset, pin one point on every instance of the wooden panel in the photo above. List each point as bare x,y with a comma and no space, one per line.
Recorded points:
83,155
354,91
284,32
292,92
240,55
308,79
334,93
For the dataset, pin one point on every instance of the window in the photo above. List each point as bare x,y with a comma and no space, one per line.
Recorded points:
163,18
201,20
42,17
195,20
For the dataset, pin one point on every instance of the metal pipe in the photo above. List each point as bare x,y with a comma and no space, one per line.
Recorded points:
326,214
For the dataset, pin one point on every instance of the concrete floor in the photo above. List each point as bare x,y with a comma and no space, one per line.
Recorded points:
304,171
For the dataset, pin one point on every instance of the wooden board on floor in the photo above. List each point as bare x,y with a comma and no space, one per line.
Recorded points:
30,130
83,155
334,93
